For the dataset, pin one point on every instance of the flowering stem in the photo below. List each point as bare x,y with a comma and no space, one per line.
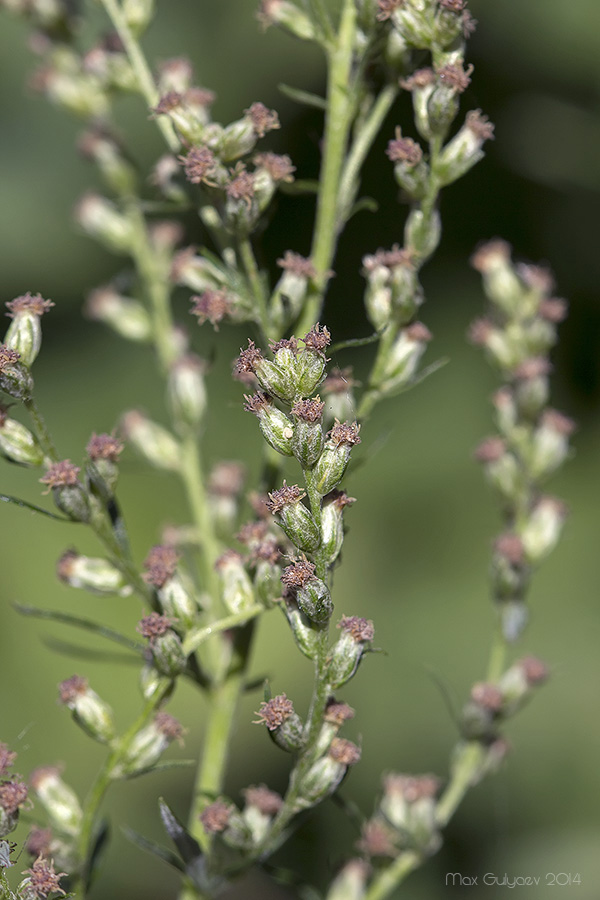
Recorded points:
102,783
256,286
338,119
141,68
41,429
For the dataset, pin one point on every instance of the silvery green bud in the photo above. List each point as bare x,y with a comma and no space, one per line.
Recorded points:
501,350
307,442
262,805
348,651
500,282
239,138
480,716
125,316
67,493
101,148
421,83
15,378
501,466
236,590
294,517
532,386
187,392
153,442
404,356
176,600
314,600
96,575
449,21
278,377
291,289
288,16
518,683
338,389
329,469
325,774
104,451
378,297
464,150
196,272
332,524
66,84
550,443
311,361
410,170
422,233
514,616
351,882
17,443
138,14
25,331
442,103
88,709
543,528
277,429
151,681
505,410
284,724
408,803
58,799
165,645
225,484
102,220
148,746
336,714
306,635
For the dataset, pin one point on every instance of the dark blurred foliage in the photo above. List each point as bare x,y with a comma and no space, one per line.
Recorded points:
418,547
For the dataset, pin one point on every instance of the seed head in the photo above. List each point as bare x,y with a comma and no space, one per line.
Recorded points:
310,411
284,496
199,165
298,574
317,339
344,433
248,359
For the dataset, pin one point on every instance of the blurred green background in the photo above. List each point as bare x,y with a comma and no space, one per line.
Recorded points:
417,552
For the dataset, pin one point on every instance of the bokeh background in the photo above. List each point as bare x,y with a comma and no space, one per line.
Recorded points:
417,552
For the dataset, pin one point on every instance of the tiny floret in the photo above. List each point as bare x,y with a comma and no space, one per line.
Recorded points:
160,564
241,185
248,359
360,629
338,713
455,77
43,880
215,817
404,150
169,726
199,165
104,446
8,357
284,496
29,303
487,696
298,574
344,433
480,125
211,306
262,119
266,801
510,546
7,758
61,474
344,751
386,8
309,411
153,625
297,265
280,168
13,795
317,339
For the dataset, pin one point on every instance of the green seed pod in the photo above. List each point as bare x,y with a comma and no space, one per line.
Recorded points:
315,601
165,646
89,711
311,360
422,233
25,331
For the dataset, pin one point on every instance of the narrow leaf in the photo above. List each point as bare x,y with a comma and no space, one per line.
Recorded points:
24,504
163,766
354,342
189,848
301,186
76,651
151,847
364,204
77,622
306,98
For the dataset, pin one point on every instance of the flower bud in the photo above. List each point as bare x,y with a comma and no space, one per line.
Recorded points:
514,616
496,341
58,799
67,493
151,682
98,576
295,519
421,84
104,451
15,379
330,467
543,528
138,14
509,570
422,233
125,316
519,682
291,289
278,377
337,387
225,484
148,746
550,445
306,634
351,882
17,443
287,16
311,361
237,590
277,429
311,594
481,714
284,725
65,83
262,805
501,466
25,332
532,386
187,392
500,281
88,709
13,796
153,442
101,148
166,648
442,103
102,220
239,138
326,774
332,524
410,170
408,803
464,150
336,714
307,442
348,651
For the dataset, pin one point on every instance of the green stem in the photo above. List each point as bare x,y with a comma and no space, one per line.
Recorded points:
373,391
191,475
386,880
338,119
141,68
102,783
256,286
465,769
41,429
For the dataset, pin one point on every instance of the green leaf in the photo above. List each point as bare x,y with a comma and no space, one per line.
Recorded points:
163,766
76,651
306,98
152,847
78,622
301,186
33,508
364,204
354,342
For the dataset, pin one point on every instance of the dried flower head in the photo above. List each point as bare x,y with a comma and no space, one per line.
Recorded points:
510,546
169,726
317,339
480,125
339,381
297,265
284,496
360,629
72,688
211,306
338,713
411,788
487,696
160,564
153,626
7,758
28,303
298,574
38,842
13,795
215,817
43,880
200,166
262,119
404,150
310,411
274,712
386,8
104,446
8,357
266,801
455,77
241,185
61,474
227,478
280,168
535,671
377,839
344,433
344,751
489,254
248,359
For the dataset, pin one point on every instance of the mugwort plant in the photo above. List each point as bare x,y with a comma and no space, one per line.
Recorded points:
206,586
